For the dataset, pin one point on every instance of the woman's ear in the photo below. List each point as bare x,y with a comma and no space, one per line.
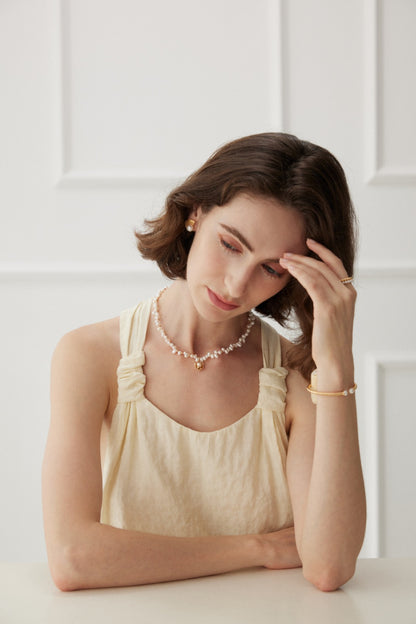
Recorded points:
194,219
195,213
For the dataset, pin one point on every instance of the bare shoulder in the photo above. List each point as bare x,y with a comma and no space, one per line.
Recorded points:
100,339
298,403
84,364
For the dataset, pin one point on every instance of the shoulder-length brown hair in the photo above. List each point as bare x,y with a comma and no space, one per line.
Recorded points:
296,173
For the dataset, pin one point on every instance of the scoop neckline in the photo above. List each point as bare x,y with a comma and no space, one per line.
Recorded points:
231,425
197,431
244,417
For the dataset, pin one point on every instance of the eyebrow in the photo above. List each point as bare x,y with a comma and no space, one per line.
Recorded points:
243,239
238,235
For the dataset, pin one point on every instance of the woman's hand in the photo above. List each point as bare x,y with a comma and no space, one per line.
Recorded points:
333,304
280,550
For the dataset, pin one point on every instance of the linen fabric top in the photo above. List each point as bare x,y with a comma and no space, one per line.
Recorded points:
164,478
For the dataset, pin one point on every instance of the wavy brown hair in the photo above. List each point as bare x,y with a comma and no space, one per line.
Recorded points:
296,173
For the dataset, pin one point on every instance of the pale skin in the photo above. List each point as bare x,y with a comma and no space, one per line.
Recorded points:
323,463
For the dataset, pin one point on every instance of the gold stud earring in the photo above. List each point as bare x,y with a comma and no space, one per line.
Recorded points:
190,225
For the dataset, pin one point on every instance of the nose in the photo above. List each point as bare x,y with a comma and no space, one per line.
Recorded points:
236,281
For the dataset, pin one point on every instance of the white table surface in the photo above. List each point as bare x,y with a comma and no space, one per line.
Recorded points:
382,591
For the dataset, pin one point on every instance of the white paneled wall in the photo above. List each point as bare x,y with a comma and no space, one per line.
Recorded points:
106,104
145,99
395,90
390,377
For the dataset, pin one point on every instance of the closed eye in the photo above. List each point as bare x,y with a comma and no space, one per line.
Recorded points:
268,270
271,272
228,246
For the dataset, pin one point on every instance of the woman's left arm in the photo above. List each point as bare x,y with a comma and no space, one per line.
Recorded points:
323,463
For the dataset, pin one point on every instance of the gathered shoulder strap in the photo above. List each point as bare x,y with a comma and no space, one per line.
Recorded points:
133,327
270,341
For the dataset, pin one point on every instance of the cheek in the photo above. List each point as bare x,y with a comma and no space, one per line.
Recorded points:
212,255
203,259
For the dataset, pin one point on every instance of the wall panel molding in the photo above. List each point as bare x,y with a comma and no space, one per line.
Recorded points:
277,59
378,364
69,177
375,172
87,270
386,270
80,271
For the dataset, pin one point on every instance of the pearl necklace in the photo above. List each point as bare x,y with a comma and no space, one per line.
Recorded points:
199,361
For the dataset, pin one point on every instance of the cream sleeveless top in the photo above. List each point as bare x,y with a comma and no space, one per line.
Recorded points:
164,478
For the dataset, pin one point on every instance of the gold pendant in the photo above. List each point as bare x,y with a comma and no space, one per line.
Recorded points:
199,365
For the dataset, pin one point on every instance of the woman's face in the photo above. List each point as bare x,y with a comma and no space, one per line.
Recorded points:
233,264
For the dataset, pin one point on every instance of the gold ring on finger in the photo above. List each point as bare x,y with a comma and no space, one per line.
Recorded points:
347,280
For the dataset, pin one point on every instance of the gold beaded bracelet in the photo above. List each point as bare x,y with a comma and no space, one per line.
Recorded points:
344,393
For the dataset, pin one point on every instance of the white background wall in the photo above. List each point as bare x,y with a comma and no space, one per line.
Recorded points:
106,104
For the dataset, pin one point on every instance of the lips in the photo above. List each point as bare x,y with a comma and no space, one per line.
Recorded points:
219,302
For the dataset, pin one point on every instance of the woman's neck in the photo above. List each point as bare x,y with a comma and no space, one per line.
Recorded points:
186,328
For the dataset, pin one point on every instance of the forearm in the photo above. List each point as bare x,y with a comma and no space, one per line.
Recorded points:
334,520
107,557
324,467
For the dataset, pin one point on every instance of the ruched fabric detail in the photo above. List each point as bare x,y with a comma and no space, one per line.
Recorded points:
131,379
162,477
272,387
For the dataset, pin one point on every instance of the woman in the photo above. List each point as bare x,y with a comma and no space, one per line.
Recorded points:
215,457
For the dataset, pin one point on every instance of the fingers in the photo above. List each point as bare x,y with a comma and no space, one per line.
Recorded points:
305,268
319,281
281,551
328,257
319,277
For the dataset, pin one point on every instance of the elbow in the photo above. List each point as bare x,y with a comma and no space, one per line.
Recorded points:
330,577
64,583
66,569
74,559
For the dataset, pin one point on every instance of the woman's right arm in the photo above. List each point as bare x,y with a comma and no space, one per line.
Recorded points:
82,552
